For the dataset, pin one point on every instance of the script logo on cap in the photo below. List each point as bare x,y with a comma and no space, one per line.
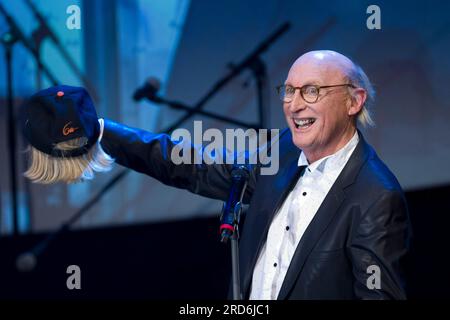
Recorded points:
68,130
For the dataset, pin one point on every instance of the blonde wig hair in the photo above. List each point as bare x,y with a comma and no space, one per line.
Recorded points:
46,169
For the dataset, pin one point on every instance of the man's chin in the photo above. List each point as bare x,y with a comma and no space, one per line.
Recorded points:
299,142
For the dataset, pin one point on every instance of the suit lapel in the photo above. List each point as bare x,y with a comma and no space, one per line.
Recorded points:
328,209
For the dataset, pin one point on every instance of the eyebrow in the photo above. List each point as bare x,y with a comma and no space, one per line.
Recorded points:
309,83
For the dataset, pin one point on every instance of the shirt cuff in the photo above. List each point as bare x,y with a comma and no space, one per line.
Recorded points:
102,125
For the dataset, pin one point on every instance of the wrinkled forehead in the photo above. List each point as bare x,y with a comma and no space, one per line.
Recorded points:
318,69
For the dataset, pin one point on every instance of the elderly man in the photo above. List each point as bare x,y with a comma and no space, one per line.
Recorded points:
332,223
345,217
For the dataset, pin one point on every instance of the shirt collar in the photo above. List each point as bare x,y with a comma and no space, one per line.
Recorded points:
332,161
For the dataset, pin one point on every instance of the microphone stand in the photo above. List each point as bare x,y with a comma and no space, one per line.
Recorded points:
235,274
45,30
229,228
248,62
8,40
27,261
181,106
259,71
21,37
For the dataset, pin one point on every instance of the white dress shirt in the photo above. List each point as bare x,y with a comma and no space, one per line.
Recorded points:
294,216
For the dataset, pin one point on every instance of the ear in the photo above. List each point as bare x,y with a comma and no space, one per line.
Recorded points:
357,100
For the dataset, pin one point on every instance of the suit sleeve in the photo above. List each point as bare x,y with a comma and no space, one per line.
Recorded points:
150,154
379,247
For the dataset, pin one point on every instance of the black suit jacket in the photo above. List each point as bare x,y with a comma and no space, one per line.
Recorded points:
363,221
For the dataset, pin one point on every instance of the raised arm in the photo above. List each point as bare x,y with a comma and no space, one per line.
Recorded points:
150,153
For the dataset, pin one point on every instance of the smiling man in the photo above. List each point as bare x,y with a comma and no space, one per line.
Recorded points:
331,223
322,104
340,230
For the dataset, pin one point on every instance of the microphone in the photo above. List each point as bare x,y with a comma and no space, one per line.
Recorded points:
148,90
232,208
26,262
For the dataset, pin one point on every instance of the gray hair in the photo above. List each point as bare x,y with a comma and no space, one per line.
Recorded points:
358,77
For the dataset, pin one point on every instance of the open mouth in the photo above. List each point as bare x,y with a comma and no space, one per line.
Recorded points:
303,123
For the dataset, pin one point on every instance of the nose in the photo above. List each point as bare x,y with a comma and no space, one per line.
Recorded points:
297,103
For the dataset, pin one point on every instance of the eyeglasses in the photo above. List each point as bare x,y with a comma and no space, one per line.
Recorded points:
309,92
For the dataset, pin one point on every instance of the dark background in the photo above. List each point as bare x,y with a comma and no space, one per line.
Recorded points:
185,260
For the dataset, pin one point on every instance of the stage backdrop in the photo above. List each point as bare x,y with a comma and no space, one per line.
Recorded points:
190,45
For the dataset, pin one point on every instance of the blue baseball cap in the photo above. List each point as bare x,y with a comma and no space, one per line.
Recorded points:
59,114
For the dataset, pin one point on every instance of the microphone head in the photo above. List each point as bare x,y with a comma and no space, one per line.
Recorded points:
240,171
26,262
153,83
148,90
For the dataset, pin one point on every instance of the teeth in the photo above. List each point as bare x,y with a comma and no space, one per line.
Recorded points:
304,122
